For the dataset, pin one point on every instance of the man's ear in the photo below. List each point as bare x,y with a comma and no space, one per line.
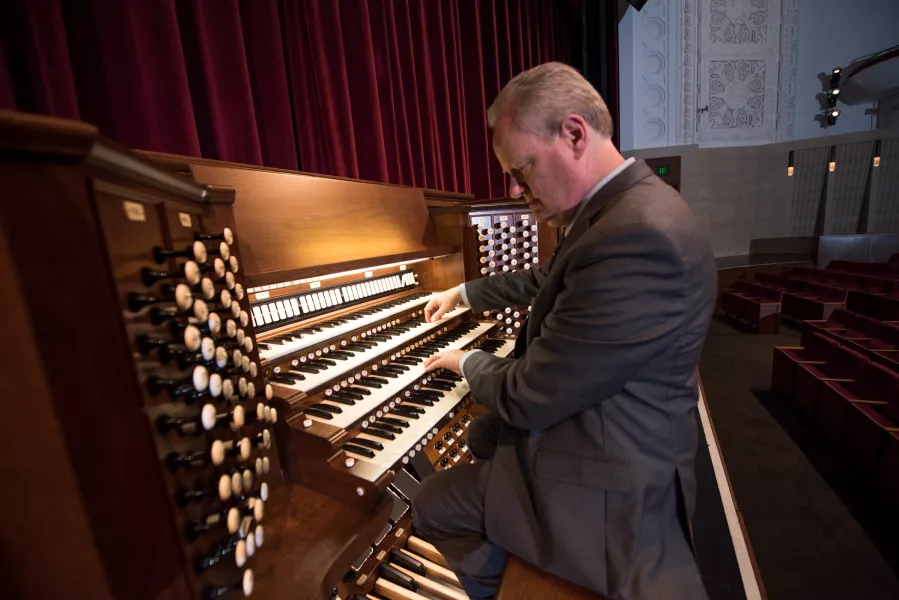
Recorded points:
574,133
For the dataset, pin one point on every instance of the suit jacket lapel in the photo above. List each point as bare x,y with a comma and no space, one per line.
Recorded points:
600,200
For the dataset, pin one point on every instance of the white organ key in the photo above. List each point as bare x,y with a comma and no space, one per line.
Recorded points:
288,308
281,312
361,358
294,303
257,315
304,303
266,316
315,301
334,298
382,395
394,450
277,351
273,312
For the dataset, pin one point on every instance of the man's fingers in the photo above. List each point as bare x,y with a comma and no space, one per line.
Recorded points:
433,304
431,360
438,314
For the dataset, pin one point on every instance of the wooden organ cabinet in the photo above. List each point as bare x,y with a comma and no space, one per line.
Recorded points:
221,371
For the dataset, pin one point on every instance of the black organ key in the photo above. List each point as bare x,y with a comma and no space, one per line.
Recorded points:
295,374
328,407
395,422
340,400
306,369
380,433
388,427
359,390
407,562
396,576
418,401
359,450
321,414
368,443
348,394
410,412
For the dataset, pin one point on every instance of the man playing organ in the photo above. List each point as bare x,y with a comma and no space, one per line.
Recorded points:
586,454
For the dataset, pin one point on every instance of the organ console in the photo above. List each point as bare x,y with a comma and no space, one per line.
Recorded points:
209,349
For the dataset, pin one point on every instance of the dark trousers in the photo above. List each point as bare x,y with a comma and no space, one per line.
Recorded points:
449,512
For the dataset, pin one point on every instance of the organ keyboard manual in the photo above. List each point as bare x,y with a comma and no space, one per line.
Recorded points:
220,370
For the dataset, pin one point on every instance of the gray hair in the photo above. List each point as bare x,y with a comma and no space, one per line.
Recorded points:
540,98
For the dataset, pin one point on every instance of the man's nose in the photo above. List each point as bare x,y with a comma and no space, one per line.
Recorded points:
516,189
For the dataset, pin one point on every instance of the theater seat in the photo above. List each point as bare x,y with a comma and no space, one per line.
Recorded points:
867,430
842,366
875,385
522,581
786,358
888,469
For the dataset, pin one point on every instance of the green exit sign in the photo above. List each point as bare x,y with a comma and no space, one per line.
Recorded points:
662,170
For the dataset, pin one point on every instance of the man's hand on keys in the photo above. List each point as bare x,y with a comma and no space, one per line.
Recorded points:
441,303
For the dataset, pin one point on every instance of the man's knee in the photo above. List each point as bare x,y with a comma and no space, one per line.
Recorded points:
427,506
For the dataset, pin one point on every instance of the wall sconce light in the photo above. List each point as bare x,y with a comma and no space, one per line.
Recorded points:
790,168
877,153
833,159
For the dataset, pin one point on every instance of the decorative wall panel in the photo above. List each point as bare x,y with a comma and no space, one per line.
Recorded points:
789,58
739,59
651,94
886,209
849,183
687,12
808,188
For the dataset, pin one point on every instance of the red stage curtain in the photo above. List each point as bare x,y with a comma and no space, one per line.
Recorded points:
385,90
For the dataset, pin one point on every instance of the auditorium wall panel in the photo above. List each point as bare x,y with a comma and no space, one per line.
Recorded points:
744,197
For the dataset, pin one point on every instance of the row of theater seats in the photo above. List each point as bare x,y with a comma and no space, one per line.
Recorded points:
812,294
848,391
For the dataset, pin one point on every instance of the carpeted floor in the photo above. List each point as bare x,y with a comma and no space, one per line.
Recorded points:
817,530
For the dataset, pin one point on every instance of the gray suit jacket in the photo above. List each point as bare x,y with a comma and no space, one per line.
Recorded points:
593,476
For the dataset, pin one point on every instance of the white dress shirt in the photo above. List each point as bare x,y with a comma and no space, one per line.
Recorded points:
602,182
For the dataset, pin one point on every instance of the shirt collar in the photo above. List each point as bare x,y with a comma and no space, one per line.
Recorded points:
595,189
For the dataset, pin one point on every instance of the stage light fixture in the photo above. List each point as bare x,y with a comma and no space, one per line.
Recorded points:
831,116
790,168
835,78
